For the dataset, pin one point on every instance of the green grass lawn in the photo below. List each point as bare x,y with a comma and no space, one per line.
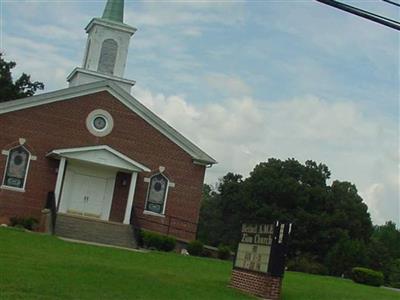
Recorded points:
33,266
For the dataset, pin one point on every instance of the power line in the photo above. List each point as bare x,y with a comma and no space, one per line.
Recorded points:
391,2
362,13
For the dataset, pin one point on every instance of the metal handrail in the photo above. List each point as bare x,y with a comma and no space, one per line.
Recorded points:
51,205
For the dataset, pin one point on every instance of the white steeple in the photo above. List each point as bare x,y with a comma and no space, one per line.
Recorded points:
106,49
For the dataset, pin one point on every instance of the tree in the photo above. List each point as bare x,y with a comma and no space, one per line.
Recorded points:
349,212
289,191
22,87
345,255
388,236
221,212
384,252
209,228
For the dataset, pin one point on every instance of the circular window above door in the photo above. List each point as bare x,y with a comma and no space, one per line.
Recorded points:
99,122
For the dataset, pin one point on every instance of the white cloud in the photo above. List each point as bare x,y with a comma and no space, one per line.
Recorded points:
52,68
241,132
192,31
160,14
228,85
383,201
54,32
334,31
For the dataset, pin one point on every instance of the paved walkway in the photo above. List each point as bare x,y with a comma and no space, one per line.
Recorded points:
102,245
392,289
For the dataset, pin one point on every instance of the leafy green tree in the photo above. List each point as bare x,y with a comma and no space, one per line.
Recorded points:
384,252
379,258
289,191
394,274
389,236
221,212
349,212
210,224
345,255
20,88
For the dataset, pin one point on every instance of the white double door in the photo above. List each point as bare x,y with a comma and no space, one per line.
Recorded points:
88,190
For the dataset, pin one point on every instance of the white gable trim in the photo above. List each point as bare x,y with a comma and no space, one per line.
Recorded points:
199,156
46,98
123,162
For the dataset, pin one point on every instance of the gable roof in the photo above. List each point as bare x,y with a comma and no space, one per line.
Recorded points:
100,154
198,155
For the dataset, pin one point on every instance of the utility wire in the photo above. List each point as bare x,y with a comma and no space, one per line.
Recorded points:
362,13
391,2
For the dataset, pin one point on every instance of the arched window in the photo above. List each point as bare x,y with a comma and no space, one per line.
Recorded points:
157,194
16,168
108,56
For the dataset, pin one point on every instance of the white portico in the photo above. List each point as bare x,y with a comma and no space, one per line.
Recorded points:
86,180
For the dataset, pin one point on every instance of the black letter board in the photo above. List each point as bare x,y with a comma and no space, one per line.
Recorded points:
263,248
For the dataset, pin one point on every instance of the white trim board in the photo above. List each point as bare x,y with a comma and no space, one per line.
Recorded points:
198,155
101,155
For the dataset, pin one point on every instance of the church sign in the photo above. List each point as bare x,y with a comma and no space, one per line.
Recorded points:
255,247
263,247
260,259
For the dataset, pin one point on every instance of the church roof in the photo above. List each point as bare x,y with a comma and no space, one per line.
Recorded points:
114,11
198,155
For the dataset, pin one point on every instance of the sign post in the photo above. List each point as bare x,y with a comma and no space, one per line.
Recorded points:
260,259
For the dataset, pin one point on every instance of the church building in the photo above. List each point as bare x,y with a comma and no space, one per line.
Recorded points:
111,164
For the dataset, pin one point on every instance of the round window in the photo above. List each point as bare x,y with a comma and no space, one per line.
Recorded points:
99,122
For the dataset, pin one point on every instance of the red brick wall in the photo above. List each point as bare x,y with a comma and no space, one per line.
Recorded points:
120,197
63,125
258,284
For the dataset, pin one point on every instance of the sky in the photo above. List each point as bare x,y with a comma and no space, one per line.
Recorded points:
245,80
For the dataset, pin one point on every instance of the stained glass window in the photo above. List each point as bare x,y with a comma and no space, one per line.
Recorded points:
157,194
17,167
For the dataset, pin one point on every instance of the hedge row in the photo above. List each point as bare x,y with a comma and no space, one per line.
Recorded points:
155,241
367,276
27,223
196,248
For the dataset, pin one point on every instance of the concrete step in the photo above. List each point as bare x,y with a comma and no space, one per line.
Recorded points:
94,230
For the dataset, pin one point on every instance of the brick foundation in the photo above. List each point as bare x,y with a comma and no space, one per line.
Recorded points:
258,284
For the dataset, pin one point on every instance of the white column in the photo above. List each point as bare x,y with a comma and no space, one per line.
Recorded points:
60,176
131,194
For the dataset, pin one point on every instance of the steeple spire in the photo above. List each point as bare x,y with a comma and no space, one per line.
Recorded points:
114,11
106,49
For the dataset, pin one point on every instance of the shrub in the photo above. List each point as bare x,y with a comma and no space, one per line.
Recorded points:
195,248
394,275
27,223
367,276
207,253
306,264
224,252
168,243
152,240
138,236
